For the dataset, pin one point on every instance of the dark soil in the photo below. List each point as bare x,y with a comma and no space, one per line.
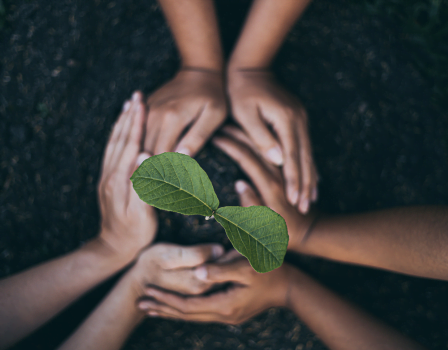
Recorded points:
379,141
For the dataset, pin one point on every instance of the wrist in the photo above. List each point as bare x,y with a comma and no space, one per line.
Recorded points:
108,255
303,231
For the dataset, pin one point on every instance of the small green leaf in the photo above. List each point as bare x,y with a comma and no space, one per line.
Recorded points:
257,232
175,182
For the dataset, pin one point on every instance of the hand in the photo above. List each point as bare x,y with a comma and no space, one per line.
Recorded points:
173,267
250,293
128,224
193,98
268,181
259,104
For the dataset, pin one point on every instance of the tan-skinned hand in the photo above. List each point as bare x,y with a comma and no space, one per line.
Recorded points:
127,223
277,124
266,178
194,99
249,294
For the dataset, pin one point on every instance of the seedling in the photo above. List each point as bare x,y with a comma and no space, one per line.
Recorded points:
175,182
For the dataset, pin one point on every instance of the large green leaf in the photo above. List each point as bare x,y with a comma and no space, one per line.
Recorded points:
259,233
175,182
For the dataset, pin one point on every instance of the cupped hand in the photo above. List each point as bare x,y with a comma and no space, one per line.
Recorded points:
173,267
194,99
277,124
250,293
268,181
127,223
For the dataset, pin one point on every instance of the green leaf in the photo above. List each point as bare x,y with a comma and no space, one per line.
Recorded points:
175,182
259,233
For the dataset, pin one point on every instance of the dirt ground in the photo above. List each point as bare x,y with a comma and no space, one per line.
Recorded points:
379,141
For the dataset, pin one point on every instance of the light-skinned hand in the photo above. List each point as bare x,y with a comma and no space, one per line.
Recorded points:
173,267
127,223
266,178
194,99
277,124
249,294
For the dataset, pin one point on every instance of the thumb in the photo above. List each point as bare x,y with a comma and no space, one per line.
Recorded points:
247,195
234,271
134,199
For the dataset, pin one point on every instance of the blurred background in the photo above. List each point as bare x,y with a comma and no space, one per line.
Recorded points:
371,73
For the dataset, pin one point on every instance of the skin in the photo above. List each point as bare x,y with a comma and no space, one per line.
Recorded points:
273,118
168,266
194,101
30,298
340,325
195,98
410,240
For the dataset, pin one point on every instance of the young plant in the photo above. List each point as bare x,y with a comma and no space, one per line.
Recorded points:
175,182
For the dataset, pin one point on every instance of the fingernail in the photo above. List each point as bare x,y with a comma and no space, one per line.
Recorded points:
141,158
126,106
183,150
217,251
135,96
293,197
304,204
153,313
240,186
201,273
275,155
143,305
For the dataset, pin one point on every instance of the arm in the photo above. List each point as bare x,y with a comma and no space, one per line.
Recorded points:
339,324
409,240
274,119
195,97
195,30
265,29
169,266
30,298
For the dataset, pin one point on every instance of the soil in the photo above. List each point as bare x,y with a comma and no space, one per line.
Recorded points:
379,141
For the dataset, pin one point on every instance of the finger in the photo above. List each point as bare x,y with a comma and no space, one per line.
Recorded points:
239,135
247,195
124,135
154,309
210,119
258,131
286,132
175,256
230,256
115,133
153,123
253,167
135,203
307,167
132,143
213,303
234,271
171,129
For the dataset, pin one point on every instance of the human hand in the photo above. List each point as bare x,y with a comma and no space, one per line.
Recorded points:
249,294
260,104
128,224
173,267
268,181
193,98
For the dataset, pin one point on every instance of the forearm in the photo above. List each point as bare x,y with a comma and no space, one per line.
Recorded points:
266,27
410,240
195,29
339,324
31,298
111,322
